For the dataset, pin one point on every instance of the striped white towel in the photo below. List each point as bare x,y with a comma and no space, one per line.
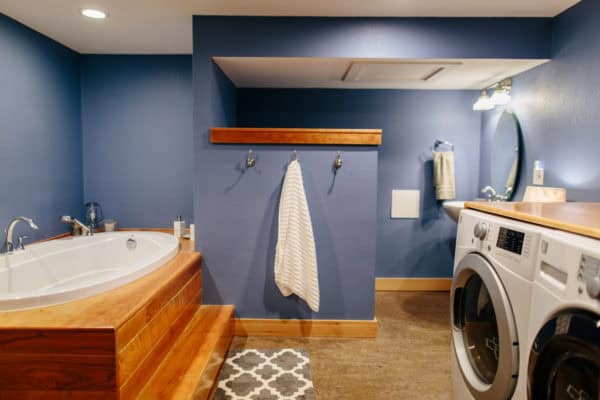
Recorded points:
295,253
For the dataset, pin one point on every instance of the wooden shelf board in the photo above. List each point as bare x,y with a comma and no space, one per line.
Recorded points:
352,137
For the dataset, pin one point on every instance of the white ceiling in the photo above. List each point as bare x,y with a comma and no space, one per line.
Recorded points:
439,74
165,26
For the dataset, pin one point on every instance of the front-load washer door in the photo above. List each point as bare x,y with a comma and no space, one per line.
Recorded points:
484,335
564,362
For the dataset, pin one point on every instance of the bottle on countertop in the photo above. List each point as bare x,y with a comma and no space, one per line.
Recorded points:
193,232
179,227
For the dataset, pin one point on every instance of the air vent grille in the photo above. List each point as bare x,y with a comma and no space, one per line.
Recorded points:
398,71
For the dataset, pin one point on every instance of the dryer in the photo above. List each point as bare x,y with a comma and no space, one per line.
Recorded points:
490,301
564,329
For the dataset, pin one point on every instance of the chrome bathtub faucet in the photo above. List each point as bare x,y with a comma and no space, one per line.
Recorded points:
8,242
492,195
65,219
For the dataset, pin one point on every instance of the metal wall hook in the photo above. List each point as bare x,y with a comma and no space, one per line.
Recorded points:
250,159
294,155
337,163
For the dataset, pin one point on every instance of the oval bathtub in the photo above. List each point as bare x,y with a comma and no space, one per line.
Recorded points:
73,268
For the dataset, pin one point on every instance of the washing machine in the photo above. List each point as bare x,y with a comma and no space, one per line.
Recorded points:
564,329
490,302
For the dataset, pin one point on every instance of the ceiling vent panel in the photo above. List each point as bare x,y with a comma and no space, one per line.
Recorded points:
398,71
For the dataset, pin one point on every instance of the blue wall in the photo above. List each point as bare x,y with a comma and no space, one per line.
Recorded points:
557,105
411,121
238,268
114,129
137,137
237,212
40,129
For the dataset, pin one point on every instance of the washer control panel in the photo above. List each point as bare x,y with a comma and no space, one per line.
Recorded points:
510,240
509,243
512,244
589,274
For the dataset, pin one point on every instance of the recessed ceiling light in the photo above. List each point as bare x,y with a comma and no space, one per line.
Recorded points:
93,13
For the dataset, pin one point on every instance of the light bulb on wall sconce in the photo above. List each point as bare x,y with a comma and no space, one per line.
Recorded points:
483,103
501,97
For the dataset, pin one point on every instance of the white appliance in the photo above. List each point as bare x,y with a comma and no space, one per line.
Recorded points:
564,329
490,304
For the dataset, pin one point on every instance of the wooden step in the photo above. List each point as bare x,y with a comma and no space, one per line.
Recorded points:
190,368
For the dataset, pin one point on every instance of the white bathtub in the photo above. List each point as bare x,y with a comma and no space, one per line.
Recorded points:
73,268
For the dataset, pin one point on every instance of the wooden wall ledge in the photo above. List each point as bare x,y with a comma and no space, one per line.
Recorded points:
355,137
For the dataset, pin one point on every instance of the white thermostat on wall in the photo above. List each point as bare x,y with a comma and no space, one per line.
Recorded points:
406,203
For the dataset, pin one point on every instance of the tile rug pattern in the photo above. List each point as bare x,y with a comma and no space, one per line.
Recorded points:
277,374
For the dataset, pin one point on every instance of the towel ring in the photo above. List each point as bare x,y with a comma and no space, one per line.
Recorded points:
439,143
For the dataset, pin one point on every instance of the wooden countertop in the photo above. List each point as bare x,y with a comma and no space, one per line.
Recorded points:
579,218
105,310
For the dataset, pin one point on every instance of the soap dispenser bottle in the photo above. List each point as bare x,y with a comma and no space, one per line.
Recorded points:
538,172
179,227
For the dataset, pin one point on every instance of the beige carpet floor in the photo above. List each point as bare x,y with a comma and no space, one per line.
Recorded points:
410,358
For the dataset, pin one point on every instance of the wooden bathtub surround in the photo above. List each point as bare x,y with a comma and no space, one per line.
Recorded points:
109,346
191,367
318,136
579,218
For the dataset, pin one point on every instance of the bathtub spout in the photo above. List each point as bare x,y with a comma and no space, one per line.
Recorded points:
65,219
8,242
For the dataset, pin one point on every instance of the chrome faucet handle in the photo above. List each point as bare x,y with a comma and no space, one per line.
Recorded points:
89,230
20,244
490,192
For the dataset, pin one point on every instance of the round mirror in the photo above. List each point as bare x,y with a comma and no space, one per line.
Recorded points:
505,152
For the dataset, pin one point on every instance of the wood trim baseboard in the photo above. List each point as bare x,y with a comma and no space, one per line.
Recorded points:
306,328
413,284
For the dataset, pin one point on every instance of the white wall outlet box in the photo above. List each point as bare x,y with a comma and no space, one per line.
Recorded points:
406,203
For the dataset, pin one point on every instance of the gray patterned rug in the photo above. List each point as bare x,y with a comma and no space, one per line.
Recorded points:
282,374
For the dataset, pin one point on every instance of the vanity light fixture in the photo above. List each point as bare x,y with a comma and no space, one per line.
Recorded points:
500,97
484,102
93,13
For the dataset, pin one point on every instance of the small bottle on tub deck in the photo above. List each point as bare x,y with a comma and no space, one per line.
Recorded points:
179,227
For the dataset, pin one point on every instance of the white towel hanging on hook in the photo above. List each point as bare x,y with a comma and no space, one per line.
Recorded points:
295,254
